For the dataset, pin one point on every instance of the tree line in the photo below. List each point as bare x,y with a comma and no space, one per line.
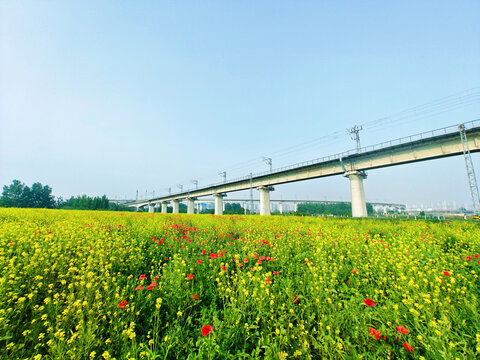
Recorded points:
20,195
337,209
230,209
39,196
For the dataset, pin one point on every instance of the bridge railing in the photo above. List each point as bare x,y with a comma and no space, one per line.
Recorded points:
338,156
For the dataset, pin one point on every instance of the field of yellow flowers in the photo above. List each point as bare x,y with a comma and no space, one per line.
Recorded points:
105,285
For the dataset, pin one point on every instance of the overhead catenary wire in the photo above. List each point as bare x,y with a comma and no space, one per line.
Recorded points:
429,109
432,108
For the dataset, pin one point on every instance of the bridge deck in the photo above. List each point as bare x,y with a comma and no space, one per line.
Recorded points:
430,145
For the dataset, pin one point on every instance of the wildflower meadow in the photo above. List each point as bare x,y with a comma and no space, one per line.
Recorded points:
109,285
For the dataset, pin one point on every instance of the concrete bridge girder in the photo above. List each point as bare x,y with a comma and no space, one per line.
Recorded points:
426,148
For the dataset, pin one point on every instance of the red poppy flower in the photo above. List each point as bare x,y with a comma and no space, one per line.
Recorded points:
245,260
374,333
469,258
199,261
408,347
240,264
206,330
150,287
204,252
224,268
275,273
139,287
259,262
189,276
354,271
154,283
446,273
155,278
369,302
268,281
142,277
213,256
475,256
195,297
295,301
402,330
154,238
122,304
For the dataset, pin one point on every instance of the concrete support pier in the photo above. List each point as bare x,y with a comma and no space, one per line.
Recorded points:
359,206
265,199
151,208
191,205
219,203
176,206
280,208
164,207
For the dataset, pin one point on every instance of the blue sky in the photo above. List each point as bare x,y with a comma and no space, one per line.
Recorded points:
104,97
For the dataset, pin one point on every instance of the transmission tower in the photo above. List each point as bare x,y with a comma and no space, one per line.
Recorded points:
224,175
251,194
354,135
180,186
195,182
268,161
472,180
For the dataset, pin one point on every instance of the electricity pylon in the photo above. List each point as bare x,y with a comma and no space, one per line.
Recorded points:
472,180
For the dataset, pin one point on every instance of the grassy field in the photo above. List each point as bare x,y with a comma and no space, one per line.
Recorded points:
104,285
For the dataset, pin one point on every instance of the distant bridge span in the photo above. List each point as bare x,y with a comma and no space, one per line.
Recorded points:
429,145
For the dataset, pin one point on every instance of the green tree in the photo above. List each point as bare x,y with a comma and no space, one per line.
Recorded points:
41,196
233,208
85,202
12,196
20,195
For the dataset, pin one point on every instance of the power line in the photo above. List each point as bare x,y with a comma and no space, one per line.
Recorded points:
433,108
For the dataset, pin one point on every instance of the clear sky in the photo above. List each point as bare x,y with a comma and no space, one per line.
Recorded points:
110,97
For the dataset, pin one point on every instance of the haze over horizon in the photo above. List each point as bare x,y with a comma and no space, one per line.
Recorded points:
107,98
